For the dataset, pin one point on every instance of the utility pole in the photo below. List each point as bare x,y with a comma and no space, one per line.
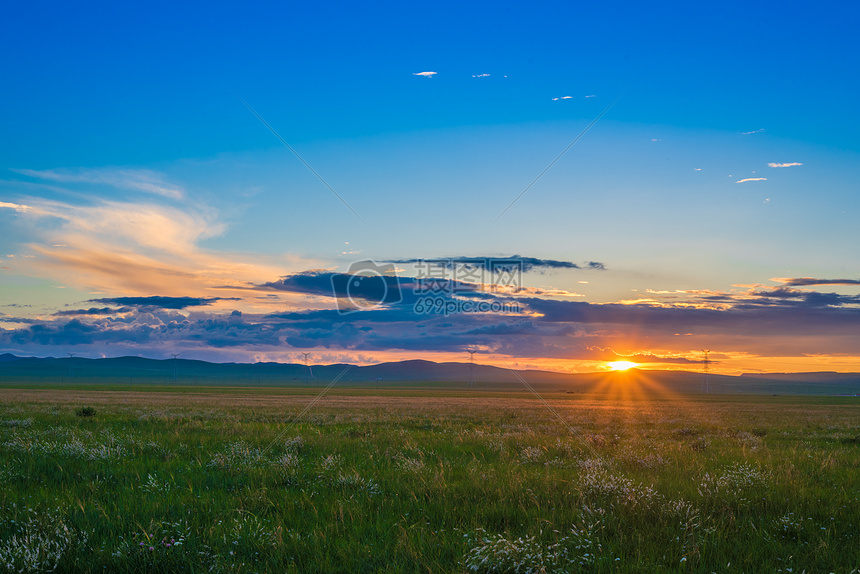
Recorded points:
307,372
706,374
472,382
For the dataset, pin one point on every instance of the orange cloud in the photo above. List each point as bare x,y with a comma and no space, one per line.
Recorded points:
137,248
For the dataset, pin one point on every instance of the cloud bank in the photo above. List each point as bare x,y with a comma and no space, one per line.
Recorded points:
780,320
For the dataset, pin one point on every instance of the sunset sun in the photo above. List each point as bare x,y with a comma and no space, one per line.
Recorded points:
621,365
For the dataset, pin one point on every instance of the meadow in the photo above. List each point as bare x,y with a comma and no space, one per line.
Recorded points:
268,480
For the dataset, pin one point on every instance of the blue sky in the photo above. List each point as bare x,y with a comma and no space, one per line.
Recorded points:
126,143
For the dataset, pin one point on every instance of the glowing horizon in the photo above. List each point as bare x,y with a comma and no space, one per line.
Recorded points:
621,365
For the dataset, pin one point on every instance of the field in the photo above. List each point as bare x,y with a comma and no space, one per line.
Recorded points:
268,480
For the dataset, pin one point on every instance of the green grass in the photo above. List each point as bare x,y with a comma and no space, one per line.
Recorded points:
425,481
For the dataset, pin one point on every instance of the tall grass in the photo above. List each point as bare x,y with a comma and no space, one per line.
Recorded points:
416,484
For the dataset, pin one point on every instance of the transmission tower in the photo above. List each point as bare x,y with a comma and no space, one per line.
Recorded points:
706,372
308,374
175,374
472,382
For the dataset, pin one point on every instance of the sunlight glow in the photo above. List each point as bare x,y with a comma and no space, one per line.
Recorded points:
621,365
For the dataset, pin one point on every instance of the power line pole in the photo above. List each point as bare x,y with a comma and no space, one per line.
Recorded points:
175,375
706,373
71,366
308,373
472,382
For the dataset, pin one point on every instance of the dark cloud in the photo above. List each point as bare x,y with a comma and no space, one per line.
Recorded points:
74,332
350,290
326,317
22,320
310,282
388,290
798,298
797,316
160,302
145,329
93,311
503,264
810,281
755,298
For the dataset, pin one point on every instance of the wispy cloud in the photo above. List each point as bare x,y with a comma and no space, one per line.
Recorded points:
16,206
135,248
480,75
562,98
348,250
751,179
792,164
143,180
425,74
758,131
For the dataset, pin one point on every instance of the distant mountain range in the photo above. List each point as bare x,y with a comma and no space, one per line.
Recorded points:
414,373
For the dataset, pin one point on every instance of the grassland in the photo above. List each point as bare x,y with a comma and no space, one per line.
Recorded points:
266,480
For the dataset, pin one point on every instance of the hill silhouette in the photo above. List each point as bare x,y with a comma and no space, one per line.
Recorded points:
418,373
